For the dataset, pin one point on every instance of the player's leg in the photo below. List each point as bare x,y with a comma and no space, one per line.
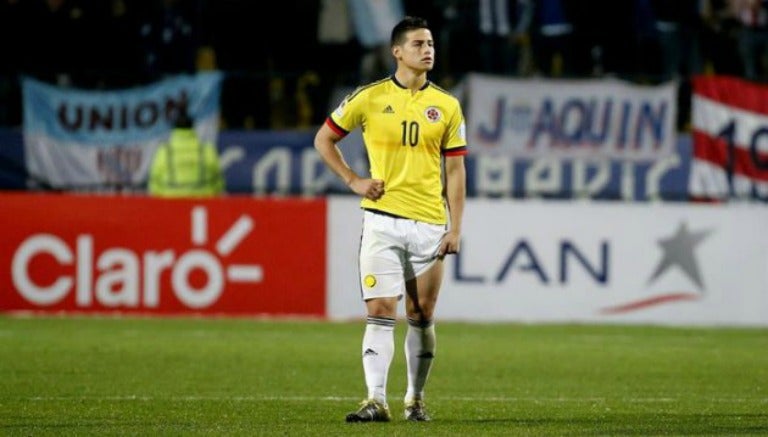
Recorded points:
420,339
381,281
379,345
424,273
378,349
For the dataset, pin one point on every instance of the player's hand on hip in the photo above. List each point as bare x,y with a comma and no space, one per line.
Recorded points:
369,188
450,244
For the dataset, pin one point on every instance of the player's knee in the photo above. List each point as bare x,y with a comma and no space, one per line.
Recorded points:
382,307
423,312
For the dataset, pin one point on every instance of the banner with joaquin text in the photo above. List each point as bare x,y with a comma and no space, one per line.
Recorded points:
584,118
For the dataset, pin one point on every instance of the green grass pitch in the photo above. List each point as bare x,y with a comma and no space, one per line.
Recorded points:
188,376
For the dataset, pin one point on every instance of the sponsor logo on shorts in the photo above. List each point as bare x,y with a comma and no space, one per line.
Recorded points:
369,281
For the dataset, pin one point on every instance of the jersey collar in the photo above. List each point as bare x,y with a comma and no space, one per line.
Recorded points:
394,79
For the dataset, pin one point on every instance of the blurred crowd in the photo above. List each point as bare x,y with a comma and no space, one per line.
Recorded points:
283,60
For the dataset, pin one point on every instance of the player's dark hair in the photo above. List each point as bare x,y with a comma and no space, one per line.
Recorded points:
406,25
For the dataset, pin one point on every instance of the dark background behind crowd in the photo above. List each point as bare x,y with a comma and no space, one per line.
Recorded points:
282,60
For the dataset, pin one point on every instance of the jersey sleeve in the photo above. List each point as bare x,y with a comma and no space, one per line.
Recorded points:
455,143
348,115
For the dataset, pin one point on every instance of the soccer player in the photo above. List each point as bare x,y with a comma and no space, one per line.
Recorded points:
412,208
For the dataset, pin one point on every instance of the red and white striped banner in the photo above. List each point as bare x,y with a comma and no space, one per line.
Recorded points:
730,139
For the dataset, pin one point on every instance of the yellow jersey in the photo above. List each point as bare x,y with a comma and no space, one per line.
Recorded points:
406,136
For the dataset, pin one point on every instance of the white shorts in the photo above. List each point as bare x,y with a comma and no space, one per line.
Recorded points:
394,250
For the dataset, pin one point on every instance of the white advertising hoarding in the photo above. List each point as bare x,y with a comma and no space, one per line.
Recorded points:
533,261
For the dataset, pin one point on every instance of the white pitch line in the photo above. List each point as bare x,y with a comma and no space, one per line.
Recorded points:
348,398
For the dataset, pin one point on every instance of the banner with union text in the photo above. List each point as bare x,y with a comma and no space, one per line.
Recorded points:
730,139
81,139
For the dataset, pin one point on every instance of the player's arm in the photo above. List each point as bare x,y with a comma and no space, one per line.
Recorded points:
326,143
456,189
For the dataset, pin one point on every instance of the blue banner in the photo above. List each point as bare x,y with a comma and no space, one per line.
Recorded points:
286,163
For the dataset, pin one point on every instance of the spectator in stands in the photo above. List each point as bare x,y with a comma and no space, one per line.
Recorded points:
335,40
185,166
503,30
57,59
373,20
753,38
611,37
455,40
679,25
720,36
552,32
11,27
115,56
171,38
245,92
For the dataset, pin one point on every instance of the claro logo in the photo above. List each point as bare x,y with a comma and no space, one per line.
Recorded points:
126,279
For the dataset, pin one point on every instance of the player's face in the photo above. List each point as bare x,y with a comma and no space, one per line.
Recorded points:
418,51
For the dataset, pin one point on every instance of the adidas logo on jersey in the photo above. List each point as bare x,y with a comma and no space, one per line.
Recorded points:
388,110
